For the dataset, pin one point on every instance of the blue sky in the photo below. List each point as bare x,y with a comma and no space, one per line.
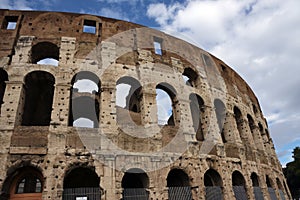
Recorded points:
258,38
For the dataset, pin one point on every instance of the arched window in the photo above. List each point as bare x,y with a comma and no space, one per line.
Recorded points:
239,186
3,78
190,77
197,111
251,124
178,185
213,185
220,111
128,98
45,53
27,184
135,183
81,183
256,188
166,104
39,90
84,100
280,188
270,188
238,120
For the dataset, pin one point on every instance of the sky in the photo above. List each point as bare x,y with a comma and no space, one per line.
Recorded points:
258,38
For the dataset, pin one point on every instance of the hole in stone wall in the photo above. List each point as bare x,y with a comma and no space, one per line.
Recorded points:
157,43
45,53
238,179
238,120
212,178
10,22
84,101
39,90
197,111
165,100
190,77
3,78
254,178
220,112
177,178
89,26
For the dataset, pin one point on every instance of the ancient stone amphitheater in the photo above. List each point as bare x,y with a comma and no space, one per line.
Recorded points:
97,108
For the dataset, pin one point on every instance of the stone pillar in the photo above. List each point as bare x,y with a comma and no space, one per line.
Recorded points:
12,108
23,50
108,113
67,51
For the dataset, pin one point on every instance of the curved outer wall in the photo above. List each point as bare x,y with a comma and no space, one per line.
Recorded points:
114,50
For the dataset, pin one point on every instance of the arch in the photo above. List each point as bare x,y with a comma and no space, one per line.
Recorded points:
256,187
251,124
3,79
81,182
85,90
190,77
178,185
45,50
239,120
270,186
128,98
239,186
197,111
166,104
220,111
39,91
26,183
213,185
135,183
280,188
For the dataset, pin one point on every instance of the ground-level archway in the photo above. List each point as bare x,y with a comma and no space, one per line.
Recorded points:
178,185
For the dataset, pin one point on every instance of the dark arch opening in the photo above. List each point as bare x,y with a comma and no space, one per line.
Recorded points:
81,182
166,104
190,77
220,111
135,183
251,123
239,120
84,100
128,98
213,185
178,185
45,50
239,186
3,78
197,110
212,178
39,91
256,188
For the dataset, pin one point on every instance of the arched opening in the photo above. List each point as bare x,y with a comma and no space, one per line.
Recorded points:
81,183
135,183
220,111
190,77
251,125
270,188
45,53
128,98
197,111
84,101
39,90
3,78
178,185
280,188
239,120
166,104
239,186
256,188
26,183
213,185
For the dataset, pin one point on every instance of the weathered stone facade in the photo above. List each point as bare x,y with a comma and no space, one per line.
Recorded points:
216,140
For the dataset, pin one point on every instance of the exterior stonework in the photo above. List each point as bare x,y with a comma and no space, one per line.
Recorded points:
223,141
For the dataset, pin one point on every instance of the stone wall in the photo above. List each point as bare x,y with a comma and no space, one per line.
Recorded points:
229,135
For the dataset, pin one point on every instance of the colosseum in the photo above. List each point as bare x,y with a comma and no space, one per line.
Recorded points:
97,108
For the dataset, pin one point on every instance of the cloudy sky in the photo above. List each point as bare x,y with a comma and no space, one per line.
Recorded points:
258,38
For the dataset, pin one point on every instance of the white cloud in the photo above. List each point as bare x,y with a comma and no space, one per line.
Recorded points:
259,39
15,4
